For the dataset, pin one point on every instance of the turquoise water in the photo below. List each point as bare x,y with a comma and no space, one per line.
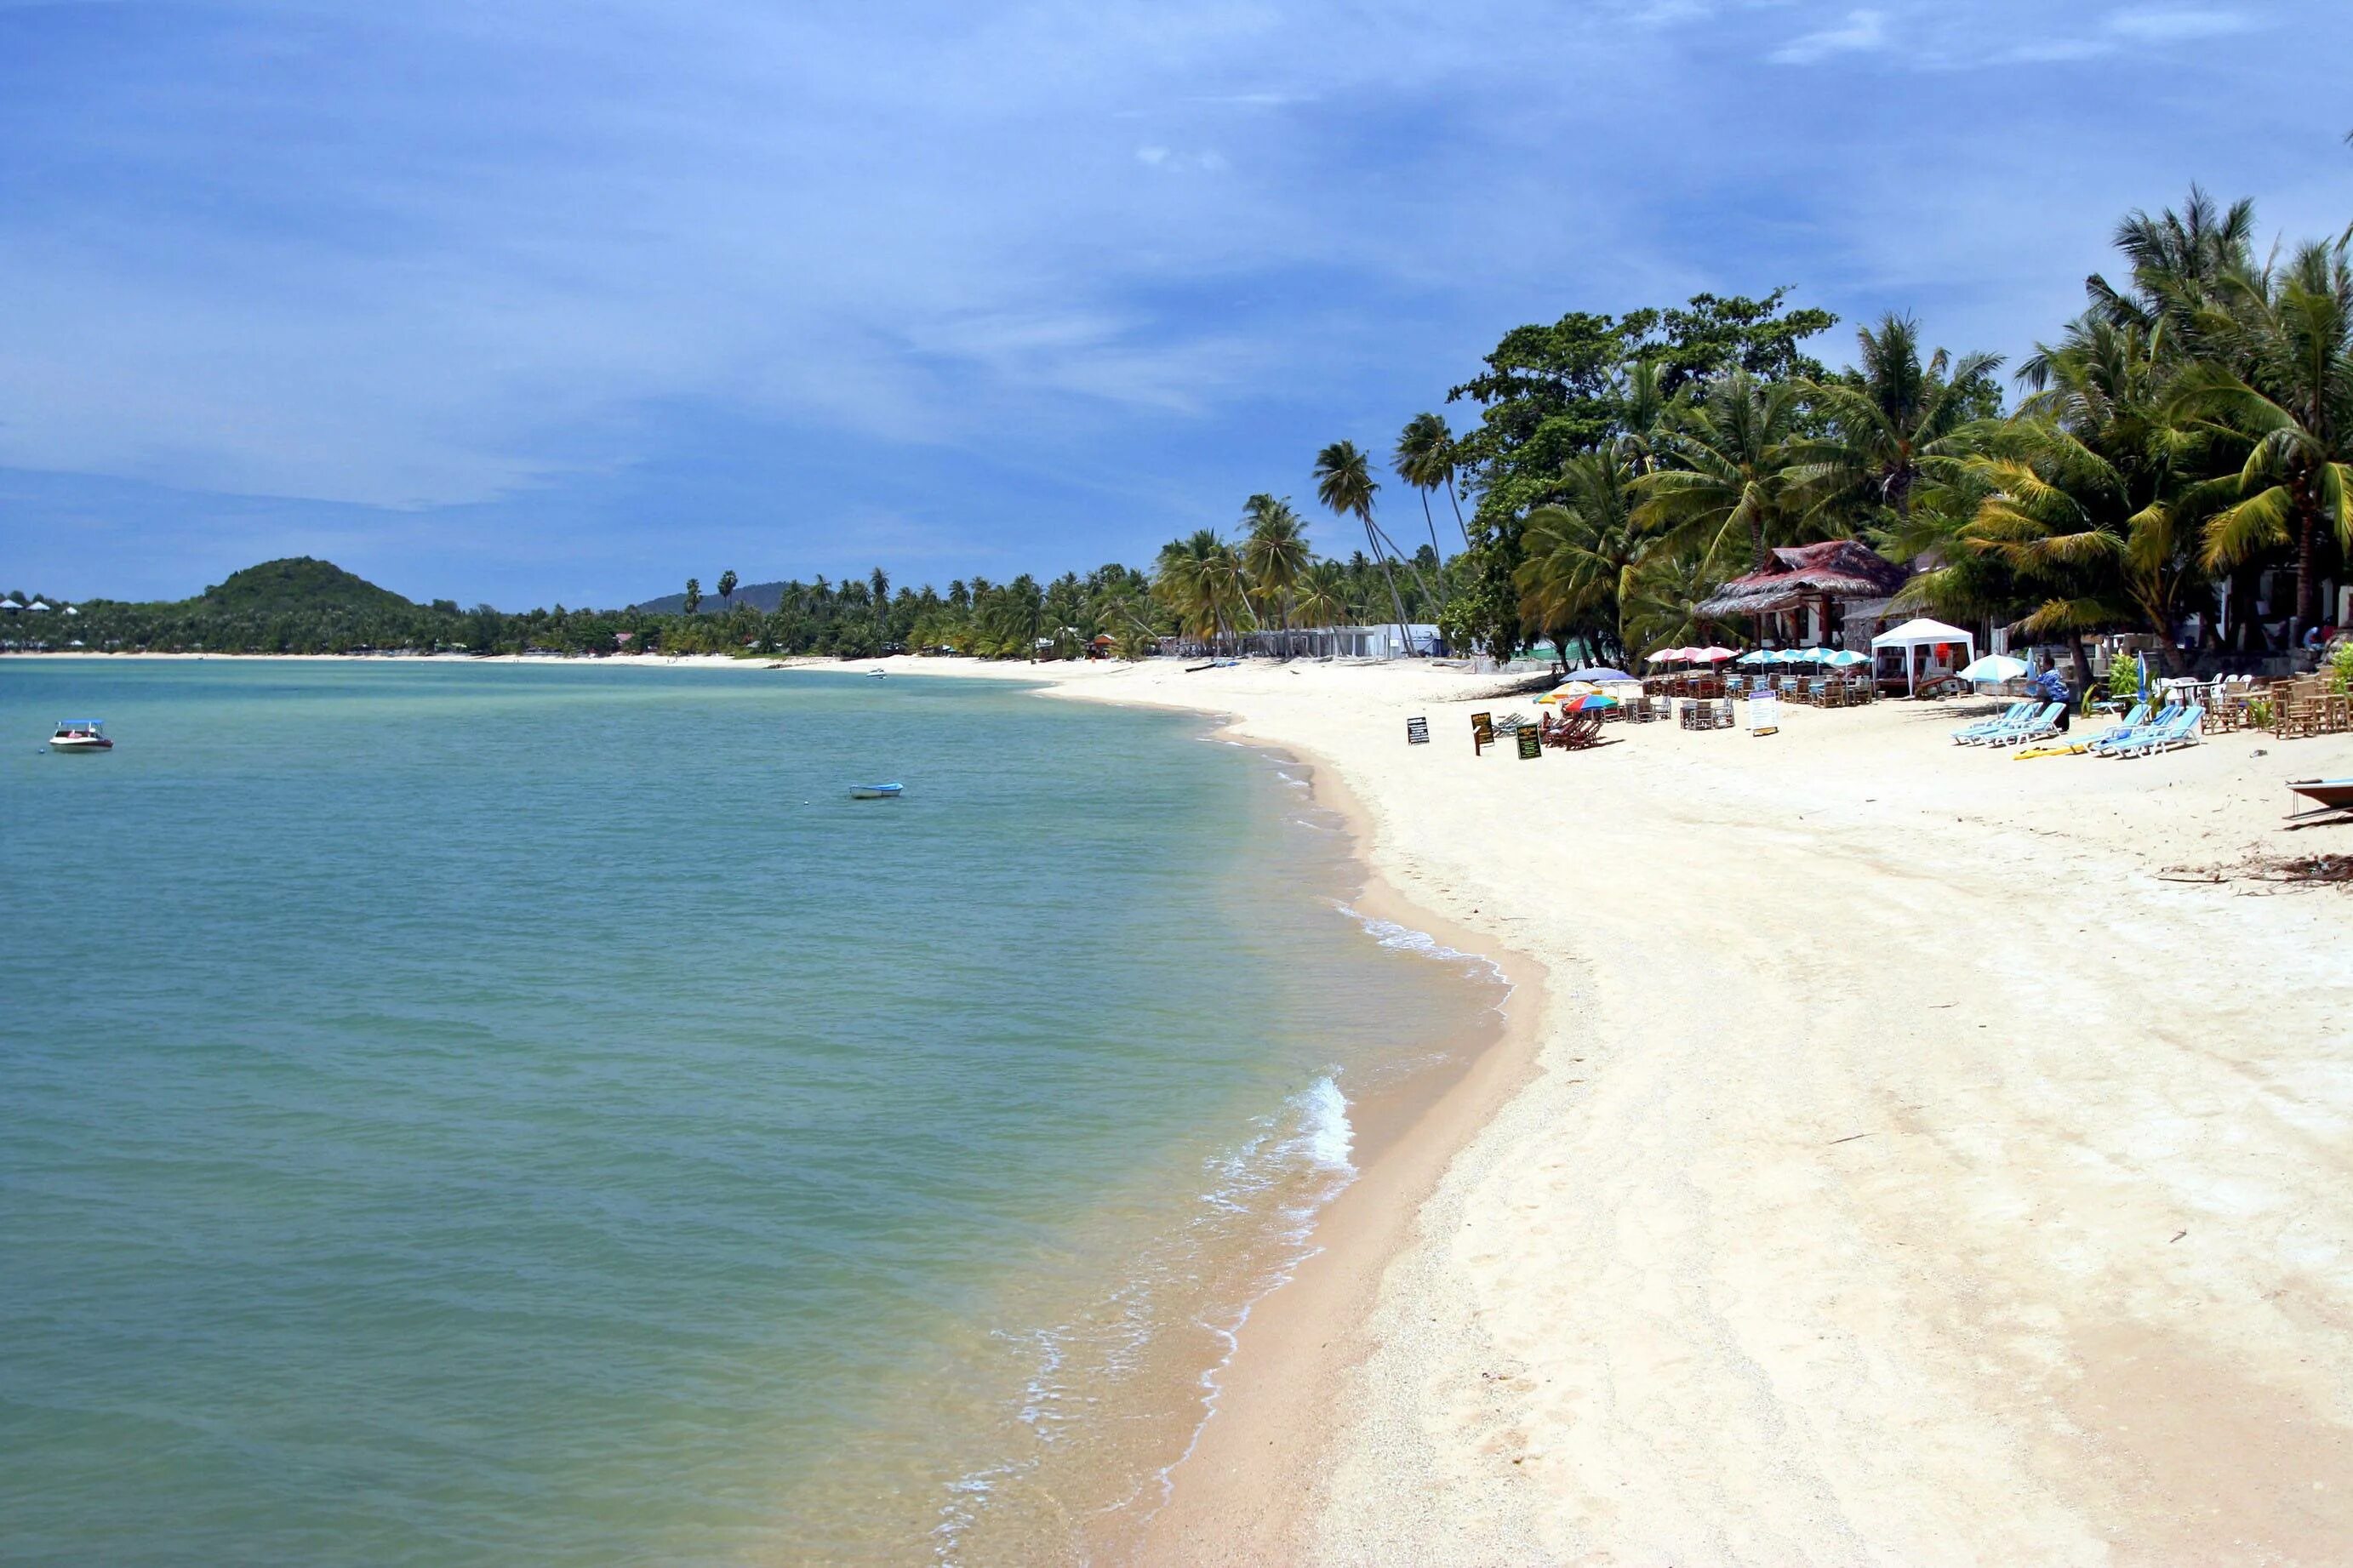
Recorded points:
466,1114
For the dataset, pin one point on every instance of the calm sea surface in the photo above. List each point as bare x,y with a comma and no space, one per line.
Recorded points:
454,1114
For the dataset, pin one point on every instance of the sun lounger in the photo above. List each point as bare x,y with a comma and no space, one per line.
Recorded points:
2035,728
2179,729
2017,713
2137,726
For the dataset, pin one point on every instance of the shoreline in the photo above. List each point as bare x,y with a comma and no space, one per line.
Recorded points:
1910,1164
1916,1154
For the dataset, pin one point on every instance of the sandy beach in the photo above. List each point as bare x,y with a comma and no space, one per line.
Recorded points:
1904,1154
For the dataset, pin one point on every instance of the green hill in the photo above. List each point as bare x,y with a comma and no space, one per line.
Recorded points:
298,586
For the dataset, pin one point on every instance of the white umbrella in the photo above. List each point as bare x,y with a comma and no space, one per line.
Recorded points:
1993,667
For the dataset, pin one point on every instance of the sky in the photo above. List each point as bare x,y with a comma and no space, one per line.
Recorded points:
530,304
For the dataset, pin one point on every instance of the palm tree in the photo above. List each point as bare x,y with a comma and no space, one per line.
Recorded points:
1424,458
1343,482
1201,579
1725,487
1579,554
2291,394
880,584
694,595
1274,552
1898,422
1662,596
1324,595
726,590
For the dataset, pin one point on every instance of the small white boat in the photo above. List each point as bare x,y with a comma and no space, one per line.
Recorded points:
80,735
878,674
876,792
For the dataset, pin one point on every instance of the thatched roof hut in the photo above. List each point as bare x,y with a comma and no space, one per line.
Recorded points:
1833,571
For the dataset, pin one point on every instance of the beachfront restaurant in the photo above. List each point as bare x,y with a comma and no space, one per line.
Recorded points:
1801,597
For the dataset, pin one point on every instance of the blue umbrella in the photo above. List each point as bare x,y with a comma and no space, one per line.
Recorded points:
1597,673
1758,655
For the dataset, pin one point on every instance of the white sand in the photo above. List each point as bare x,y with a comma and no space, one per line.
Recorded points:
1910,1173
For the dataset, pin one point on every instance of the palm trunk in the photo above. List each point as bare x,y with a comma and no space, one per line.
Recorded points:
1407,561
1431,523
1466,527
1390,578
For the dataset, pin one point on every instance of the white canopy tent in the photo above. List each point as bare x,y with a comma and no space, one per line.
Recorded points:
1919,634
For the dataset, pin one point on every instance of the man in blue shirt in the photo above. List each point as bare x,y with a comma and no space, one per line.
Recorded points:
2052,687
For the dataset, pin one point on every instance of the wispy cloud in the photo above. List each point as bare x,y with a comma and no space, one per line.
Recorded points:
1861,32
2167,24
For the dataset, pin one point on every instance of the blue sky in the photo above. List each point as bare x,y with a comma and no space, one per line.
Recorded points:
535,303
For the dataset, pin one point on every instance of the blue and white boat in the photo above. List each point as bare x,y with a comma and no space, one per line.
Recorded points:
876,792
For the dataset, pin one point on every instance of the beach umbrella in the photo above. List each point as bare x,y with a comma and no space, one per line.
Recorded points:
1757,655
1662,656
1592,702
1713,654
1994,667
1598,672
1847,658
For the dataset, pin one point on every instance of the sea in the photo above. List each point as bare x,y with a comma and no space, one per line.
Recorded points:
460,1113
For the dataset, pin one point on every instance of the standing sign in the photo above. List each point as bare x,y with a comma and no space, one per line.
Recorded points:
1764,714
1482,733
1531,743
1417,732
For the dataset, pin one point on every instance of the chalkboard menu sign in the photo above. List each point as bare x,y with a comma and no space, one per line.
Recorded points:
1417,732
1483,732
1531,743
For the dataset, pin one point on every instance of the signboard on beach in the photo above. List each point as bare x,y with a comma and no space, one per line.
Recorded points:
1417,732
1764,714
1531,743
1483,732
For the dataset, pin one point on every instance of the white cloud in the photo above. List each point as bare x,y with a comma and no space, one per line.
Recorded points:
1863,32
2161,25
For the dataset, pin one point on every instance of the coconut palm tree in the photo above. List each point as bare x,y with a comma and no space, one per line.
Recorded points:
1900,421
726,590
1424,458
1723,488
1323,598
1579,554
694,595
1343,482
1662,595
1274,552
2290,395
1202,580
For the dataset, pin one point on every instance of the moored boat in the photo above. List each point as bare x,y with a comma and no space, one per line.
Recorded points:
80,735
876,791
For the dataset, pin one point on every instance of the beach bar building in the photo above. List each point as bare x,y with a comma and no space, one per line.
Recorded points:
1804,594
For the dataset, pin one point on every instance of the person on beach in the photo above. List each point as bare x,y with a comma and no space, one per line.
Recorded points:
2052,687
